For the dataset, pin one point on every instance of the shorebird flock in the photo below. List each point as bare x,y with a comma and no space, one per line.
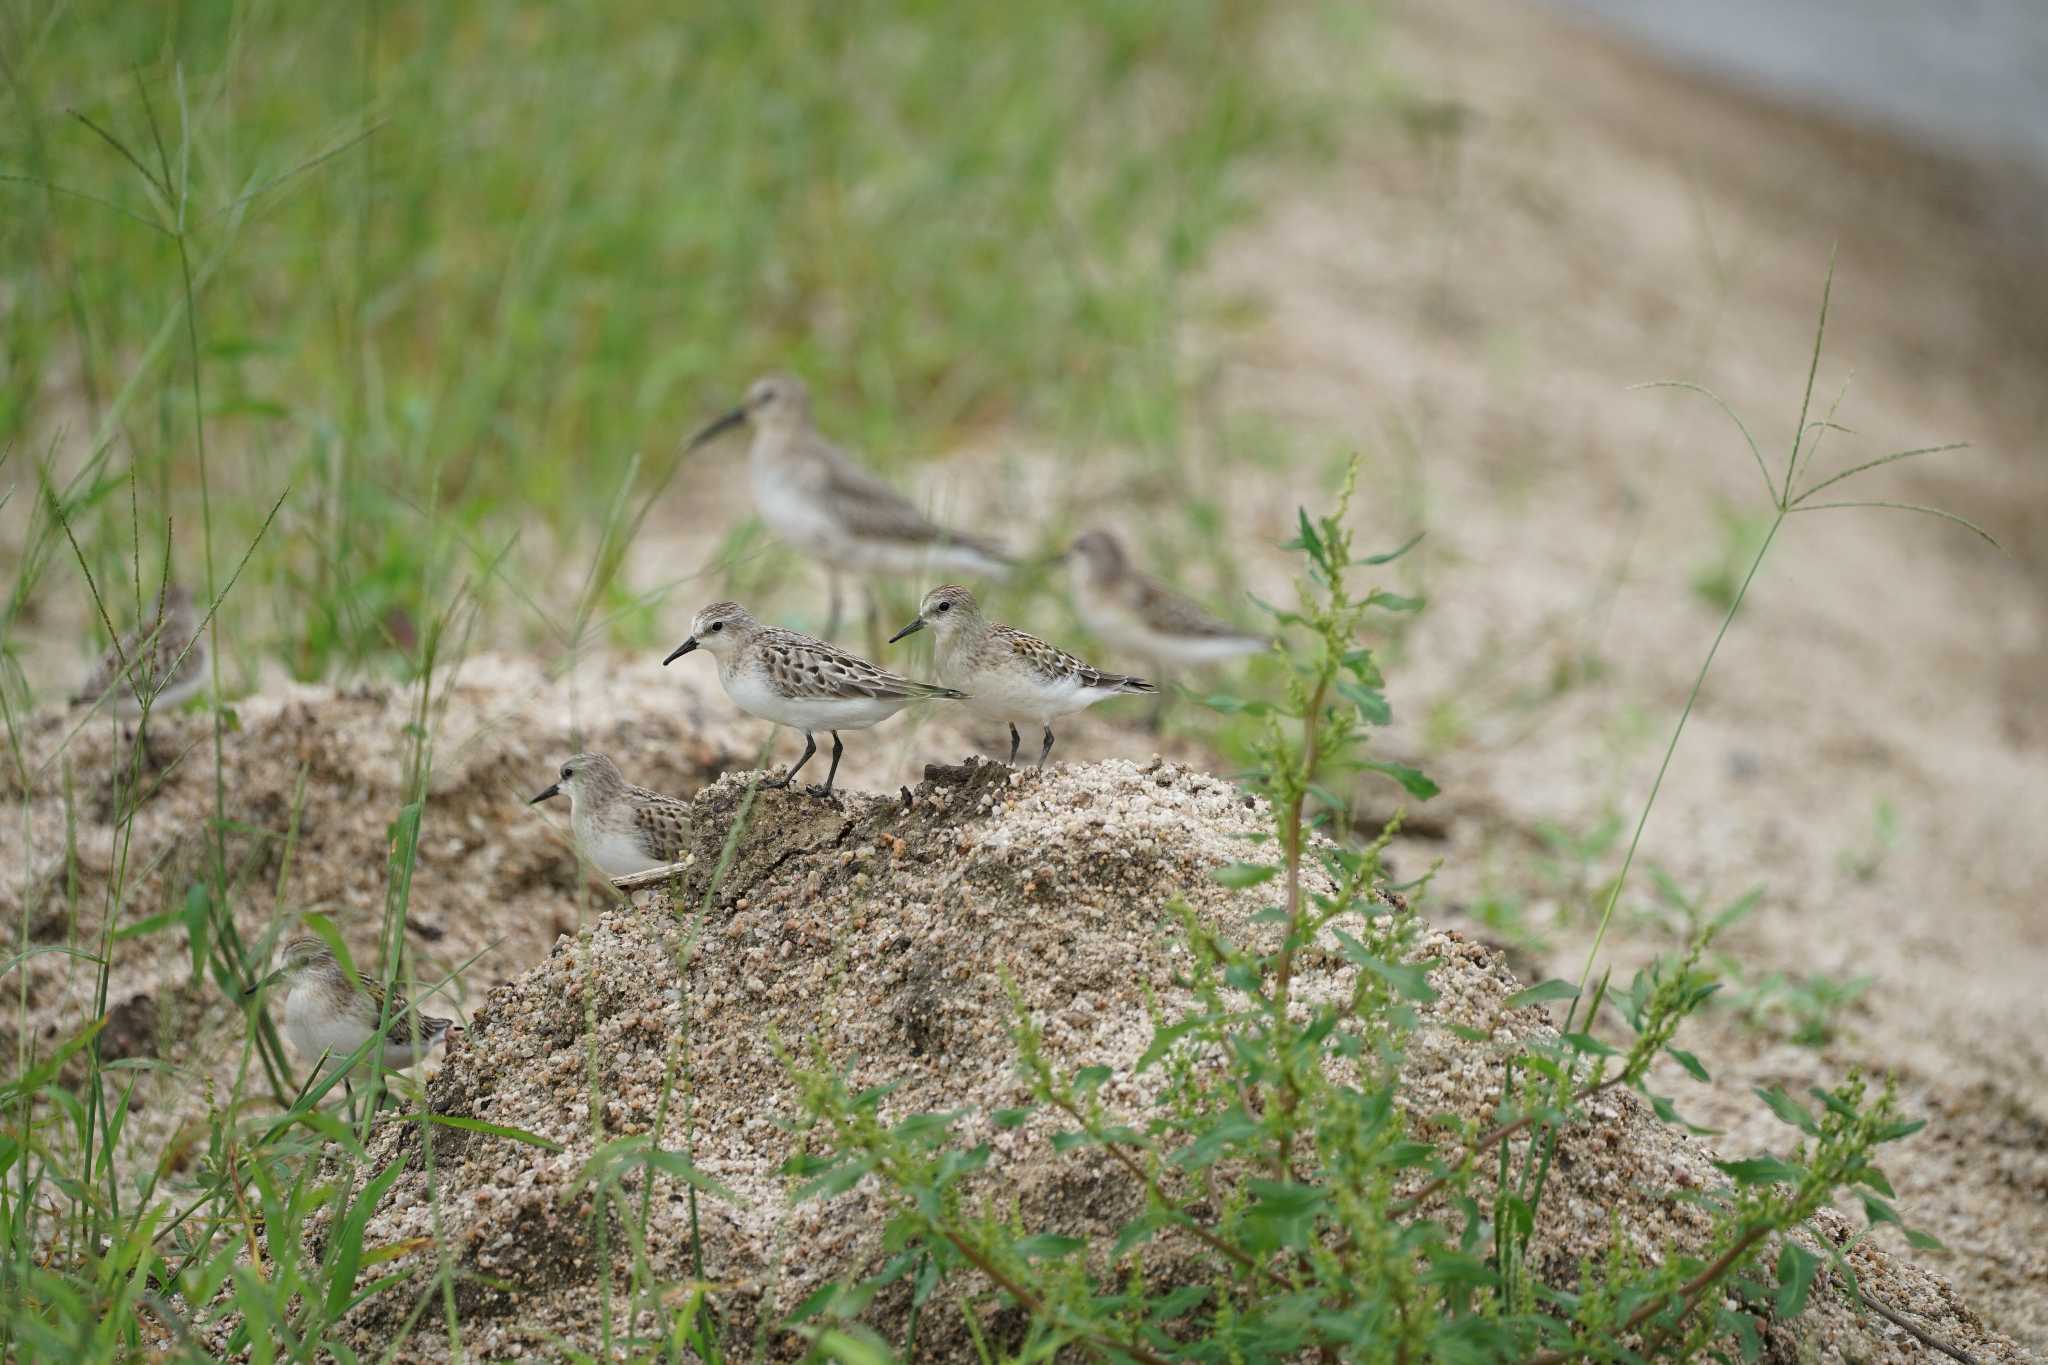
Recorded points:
824,505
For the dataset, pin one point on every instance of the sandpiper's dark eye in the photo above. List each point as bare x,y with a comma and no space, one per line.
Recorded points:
565,774
717,625
945,606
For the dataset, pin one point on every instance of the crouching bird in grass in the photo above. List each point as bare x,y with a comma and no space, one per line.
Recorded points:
1006,674
799,681
328,1013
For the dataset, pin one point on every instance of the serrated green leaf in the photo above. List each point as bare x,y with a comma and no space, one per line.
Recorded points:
1090,1078
1408,980
1762,1170
1370,701
1412,781
1306,538
1537,995
1391,555
1690,1063
1238,876
1047,1246
1789,1110
1796,1269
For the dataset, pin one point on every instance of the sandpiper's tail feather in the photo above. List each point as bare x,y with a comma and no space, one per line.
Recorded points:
1115,682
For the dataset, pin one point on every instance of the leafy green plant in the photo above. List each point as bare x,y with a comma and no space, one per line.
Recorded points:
1810,1002
1291,1205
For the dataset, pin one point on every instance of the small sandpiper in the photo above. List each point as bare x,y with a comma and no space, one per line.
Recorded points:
155,666
1006,674
799,681
328,1013
620,828
1131,610
814,496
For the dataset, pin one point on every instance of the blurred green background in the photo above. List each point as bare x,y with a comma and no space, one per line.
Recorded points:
463,277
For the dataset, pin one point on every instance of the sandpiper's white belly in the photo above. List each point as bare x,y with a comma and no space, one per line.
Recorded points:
754,693
793,511
906,559
315,1027
616,852
1007,696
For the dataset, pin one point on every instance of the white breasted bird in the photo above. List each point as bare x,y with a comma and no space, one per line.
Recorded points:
814,496
620,828
1133,612
329,1013
1007,674
798,681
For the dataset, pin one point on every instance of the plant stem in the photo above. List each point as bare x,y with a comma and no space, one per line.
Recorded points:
1643,818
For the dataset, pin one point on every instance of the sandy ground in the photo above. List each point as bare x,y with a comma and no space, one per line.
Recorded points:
1465,300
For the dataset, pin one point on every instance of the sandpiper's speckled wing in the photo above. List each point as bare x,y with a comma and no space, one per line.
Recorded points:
807,669
431,1027
153,658
400,1033
663,822
871,510
1055,664
1167,612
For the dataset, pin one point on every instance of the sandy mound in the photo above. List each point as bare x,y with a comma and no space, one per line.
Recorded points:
881,934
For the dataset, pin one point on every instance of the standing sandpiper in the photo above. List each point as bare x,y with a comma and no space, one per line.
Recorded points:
328,1013
155,666
1008,675
800,682
814,496
1131,609
620,828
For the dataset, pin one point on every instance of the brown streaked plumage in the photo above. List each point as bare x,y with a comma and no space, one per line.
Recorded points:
815,497
1007,674
1133,610
329,1013
620,828
795,680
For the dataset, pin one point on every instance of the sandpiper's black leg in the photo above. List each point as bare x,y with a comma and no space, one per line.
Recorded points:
1048,747
810,747
837,749
1015,740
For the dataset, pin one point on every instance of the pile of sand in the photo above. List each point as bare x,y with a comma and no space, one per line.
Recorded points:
882,934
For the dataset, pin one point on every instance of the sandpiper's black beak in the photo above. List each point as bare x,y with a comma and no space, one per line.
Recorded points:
554,790
680,650
264,982
723,424
913,628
